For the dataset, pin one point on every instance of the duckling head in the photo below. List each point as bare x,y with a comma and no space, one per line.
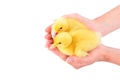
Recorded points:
62,40
60,25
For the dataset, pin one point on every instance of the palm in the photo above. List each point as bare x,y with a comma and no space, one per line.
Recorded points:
94,55
50,41
77,62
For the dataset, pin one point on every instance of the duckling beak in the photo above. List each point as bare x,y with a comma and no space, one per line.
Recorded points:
52,46
53,34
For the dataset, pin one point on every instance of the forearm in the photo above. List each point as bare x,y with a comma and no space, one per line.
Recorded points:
110,21
112,55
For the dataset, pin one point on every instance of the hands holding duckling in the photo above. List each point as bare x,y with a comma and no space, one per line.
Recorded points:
76,39
73,38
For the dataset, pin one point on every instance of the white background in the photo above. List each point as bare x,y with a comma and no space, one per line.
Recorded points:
23,55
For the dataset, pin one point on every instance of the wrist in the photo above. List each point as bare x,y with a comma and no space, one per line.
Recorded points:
109,21
112,55
103,51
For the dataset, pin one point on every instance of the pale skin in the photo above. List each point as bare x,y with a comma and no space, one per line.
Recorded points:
104,24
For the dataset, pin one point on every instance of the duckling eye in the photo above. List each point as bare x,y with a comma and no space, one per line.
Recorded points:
59,43
60,27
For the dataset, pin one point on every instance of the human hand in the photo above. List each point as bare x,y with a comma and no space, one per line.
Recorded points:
76,62
98,54
49,42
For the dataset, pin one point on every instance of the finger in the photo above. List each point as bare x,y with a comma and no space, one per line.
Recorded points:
77,62
49,41
91,25
58,53
48,36
48,45
72,61
48,29
76,16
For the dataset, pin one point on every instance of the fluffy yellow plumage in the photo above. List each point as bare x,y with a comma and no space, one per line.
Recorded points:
73,37
66,25
77,43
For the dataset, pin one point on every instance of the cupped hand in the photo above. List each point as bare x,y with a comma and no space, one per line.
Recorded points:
95,55
49,42
77,62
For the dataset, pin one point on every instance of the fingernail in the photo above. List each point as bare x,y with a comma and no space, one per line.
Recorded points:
69,60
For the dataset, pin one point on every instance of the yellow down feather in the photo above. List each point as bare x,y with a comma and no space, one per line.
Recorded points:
77,43
63,24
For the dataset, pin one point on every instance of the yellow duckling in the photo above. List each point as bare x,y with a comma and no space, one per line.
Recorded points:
77,43
63,24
